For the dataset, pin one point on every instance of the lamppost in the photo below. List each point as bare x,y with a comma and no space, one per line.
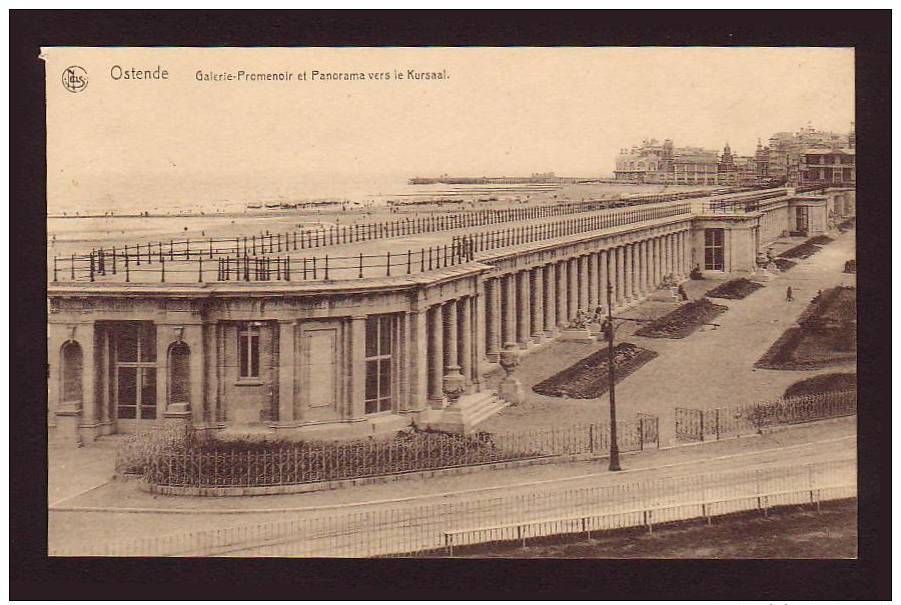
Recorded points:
611,371
611,378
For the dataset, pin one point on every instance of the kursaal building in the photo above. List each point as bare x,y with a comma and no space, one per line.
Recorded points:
276,336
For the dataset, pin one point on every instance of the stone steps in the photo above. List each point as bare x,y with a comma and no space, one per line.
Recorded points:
469,411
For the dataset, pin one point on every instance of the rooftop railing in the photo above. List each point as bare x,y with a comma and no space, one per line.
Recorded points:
244,263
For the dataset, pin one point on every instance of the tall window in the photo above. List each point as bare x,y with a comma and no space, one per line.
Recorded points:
379,346
135,352
713,249
249,350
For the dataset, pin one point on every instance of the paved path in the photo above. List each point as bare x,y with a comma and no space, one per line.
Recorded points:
710,368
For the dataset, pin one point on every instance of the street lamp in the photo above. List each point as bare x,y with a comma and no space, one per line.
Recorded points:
611,378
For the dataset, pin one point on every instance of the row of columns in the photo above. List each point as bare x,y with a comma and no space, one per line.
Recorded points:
530,305
452,345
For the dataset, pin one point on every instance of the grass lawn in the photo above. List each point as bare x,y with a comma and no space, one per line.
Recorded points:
787,533
824,335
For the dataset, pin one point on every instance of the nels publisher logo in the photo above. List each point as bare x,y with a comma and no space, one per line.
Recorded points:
75,78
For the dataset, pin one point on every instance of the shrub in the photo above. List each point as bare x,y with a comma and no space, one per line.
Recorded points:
135,452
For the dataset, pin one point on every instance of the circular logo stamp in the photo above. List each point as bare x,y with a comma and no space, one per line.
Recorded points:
75,78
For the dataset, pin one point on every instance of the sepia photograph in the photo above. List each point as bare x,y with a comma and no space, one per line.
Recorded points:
523,302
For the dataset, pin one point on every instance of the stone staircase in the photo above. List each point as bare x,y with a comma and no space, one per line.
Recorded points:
469,411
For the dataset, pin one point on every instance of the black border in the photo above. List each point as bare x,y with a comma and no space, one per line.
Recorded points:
33,575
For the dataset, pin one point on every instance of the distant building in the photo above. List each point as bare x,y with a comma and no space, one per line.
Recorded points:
832,166
695,166
649,163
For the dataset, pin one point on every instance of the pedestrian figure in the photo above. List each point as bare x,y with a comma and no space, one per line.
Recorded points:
788,294
682,293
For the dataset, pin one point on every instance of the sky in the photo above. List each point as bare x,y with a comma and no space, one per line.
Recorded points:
499,112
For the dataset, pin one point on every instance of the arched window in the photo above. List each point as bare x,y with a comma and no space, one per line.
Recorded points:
179,373
71,374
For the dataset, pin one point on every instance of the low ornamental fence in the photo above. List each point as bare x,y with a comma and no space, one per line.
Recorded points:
442,526
218,464
239,262
716,423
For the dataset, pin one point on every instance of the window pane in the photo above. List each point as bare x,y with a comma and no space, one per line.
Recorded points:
127,398
372,336
255,356
242,355
385,404
385,378
385,336
148,393
127,345
372,382
148,341
371,407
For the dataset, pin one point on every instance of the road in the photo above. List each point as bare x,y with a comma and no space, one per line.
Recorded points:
416,512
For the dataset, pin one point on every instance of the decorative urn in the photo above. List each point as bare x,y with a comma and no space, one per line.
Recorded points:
453,384
509,358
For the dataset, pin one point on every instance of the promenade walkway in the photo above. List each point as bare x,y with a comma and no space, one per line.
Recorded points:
710,368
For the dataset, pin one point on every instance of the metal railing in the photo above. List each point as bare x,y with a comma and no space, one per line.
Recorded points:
424,528
199,465
716,423
239,263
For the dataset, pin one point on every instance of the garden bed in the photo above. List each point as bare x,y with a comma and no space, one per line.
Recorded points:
825,335
824,383
588,378
784,264
735,289
807,248
682,321
851,266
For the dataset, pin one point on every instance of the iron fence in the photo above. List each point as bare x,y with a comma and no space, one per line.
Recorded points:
221,465
439,527
715,423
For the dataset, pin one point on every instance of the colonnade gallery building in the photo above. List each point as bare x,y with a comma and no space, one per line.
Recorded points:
286,339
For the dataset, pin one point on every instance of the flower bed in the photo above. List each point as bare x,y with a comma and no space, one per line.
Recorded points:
734,289
826,334
589,377
682,321
851,266
784,264
824,383
807,248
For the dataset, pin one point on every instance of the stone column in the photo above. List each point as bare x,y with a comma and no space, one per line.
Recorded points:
620,277
655,262
628,266
550,292
611,273
668,252
602,278
537,276
562,293
466,338
478,330
584,282
451,352
573,294
524,312
592,282
287,365
509,303
436,357
418,354
493,318
357,367
647,266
